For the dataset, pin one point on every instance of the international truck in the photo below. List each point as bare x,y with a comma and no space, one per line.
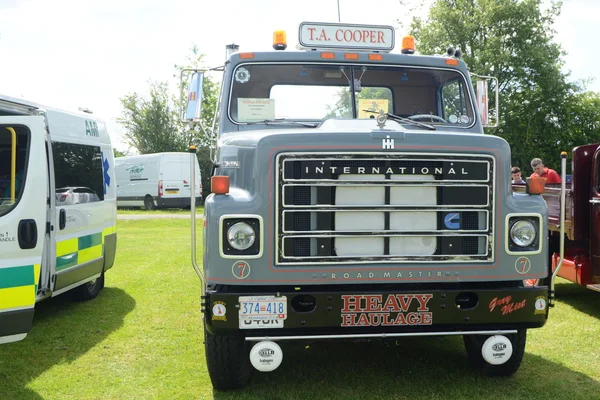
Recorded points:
356,196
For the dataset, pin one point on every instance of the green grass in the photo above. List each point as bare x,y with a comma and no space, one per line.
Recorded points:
142,339
139,210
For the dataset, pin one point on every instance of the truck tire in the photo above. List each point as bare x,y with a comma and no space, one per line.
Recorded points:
89,290
474,343
149,203
227,360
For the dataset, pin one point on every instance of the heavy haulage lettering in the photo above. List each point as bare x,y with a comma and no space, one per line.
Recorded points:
373,310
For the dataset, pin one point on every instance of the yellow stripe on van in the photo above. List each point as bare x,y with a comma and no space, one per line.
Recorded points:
21,296
89,254
67,247
108,231
36,273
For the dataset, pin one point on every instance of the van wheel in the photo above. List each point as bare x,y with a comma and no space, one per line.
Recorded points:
474,343
89,290
227,360
149,203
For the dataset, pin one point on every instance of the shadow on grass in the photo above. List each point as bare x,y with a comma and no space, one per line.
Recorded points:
585,300
414,368
62,331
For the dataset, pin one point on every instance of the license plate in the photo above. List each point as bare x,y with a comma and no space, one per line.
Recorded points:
258,312
172,191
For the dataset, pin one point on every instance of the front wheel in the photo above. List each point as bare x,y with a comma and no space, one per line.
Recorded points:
474,344
89,290
227,360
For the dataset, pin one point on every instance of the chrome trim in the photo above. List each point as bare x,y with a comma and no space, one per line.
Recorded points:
73,286
489,258
386,206
381,209
261,227
540,234
382,335
300,61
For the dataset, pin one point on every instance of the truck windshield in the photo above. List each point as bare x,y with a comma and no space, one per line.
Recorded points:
313,92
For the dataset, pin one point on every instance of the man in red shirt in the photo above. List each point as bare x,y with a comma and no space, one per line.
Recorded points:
539,170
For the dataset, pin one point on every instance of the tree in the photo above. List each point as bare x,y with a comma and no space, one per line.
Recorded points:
511,40
118,153
153,124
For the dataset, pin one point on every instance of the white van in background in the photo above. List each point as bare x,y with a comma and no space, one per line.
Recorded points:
159,180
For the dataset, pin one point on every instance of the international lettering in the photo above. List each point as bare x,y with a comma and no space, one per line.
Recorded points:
321,170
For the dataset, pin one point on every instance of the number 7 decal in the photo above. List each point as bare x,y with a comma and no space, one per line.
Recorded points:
240,269
523,265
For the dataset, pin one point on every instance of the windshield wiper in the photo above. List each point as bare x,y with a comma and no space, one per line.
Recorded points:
397,118
278,121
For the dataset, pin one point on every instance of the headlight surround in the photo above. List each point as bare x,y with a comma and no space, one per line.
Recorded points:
241,236
523,233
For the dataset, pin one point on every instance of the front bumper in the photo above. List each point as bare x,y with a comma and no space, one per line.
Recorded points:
373,309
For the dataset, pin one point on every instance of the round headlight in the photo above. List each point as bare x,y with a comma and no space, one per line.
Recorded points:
241,236
522,233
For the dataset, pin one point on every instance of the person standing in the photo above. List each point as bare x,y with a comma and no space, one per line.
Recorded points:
539,170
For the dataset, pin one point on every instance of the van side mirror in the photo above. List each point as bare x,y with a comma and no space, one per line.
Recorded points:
193,111
488,119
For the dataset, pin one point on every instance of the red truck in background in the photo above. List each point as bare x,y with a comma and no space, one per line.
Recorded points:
581,262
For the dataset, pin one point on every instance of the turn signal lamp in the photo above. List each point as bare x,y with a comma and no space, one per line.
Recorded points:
219,184
279,40
535,185
408,45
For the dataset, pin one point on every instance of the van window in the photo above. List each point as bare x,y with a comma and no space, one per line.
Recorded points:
12,165
78,173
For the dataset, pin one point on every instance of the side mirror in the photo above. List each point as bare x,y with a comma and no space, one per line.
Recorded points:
193,108
488,120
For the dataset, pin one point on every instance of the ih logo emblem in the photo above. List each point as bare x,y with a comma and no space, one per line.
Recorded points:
387,143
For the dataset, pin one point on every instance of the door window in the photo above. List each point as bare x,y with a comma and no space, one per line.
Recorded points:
14,149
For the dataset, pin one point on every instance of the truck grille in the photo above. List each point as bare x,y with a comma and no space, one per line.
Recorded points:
366,208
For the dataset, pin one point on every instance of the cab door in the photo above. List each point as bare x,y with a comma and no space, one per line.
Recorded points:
23,214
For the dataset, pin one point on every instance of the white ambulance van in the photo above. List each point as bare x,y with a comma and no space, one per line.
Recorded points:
158,180
57,209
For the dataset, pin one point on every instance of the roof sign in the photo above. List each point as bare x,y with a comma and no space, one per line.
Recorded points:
317,35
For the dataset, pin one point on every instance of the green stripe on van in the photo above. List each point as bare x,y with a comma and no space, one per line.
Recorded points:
88,241
16,276
66,261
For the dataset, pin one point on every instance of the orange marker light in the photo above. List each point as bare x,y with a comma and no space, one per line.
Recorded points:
246,55
375,57
351,56
279,40
328,55
408,45
451,61
219,184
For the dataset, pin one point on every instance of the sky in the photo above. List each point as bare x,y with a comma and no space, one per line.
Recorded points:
90,53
